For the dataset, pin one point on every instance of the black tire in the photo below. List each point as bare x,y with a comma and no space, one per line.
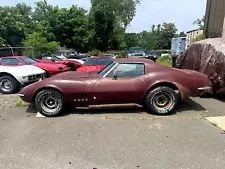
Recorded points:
170,97
47,98
9,88
46,74
71,67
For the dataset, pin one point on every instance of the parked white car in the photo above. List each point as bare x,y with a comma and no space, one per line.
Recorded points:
14,77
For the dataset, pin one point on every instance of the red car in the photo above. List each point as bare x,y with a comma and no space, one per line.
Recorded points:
130,80
95,63
72,64
51,69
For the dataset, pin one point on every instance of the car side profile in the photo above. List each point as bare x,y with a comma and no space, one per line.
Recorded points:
72,64
13,78
50,68
141,81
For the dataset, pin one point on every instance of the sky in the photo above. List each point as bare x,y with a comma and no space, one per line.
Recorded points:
149,12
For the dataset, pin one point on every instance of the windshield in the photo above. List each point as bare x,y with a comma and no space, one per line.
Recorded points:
61,57
136,50
28,61
151,53
97,61
106,69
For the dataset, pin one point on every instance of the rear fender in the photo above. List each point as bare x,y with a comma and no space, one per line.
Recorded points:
184,92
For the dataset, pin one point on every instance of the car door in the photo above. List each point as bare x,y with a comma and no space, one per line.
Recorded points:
11,62
120,85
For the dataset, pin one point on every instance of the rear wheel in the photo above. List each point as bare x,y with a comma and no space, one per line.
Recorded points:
8,85
50,103
162,101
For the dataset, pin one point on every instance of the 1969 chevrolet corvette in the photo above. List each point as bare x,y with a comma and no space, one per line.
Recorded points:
130,80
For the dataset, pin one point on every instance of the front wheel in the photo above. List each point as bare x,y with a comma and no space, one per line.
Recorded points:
8,85
162,101
50,103
71,67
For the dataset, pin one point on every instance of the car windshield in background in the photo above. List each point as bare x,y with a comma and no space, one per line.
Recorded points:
136,50
106,69
151,53
61,57
97,61
28,61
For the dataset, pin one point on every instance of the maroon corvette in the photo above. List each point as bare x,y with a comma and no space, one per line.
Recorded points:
141,81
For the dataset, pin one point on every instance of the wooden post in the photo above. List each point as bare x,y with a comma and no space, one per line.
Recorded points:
223,30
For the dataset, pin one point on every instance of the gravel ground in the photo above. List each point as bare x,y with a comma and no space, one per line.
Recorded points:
8,101
112,138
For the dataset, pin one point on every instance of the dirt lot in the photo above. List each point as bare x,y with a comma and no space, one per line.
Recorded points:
123,138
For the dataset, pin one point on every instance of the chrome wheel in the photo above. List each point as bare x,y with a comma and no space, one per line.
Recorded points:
6,85
50,103
163,101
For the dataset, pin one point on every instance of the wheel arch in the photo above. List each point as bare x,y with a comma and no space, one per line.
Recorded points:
47,74
45,88
8,74
158,84
71,64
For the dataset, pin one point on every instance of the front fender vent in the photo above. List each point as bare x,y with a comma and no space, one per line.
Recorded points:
80,97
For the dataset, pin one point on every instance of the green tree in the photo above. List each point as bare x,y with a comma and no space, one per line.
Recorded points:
132,40
40,45
72,27
15,23
164,34
182,34
199,22
148,40
107,18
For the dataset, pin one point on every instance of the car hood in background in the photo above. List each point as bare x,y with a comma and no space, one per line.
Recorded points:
24,70
77,60
50,65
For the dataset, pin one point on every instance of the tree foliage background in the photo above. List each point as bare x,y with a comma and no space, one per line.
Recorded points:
48,28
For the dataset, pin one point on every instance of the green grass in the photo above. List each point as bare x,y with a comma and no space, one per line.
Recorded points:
166,61
21,103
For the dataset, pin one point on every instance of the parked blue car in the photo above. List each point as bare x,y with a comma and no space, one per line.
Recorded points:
151,55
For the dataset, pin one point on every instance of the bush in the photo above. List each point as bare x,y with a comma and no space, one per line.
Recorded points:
122,54
199,38
95,53
166,61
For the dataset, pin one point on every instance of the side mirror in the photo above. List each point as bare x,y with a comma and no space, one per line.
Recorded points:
114,77
53,60
19,64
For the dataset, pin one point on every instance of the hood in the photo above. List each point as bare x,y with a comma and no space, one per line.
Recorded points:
74,75
50,65
24,70
90,68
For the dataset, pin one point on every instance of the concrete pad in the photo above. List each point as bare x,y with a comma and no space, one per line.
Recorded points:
217,121
39,115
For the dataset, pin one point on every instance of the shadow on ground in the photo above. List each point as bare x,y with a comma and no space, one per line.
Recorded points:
187,105
219,97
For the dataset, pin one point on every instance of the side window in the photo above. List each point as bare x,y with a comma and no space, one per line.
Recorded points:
10,61
128,70
46,58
